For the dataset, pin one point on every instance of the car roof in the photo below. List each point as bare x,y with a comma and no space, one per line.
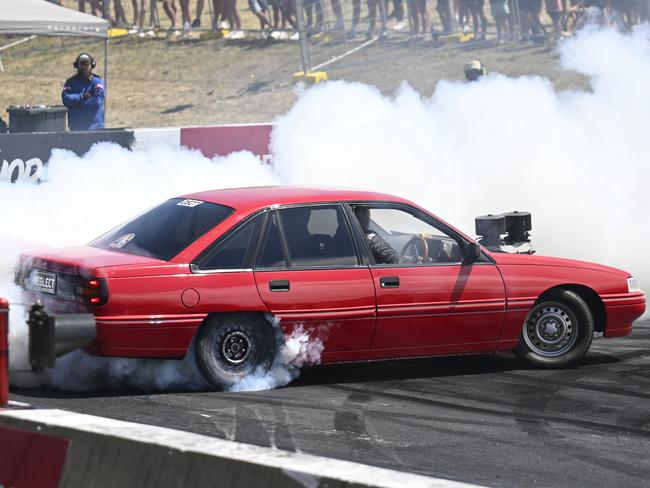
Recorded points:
257,197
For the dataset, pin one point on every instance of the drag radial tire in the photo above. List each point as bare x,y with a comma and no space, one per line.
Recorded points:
231,346
557,331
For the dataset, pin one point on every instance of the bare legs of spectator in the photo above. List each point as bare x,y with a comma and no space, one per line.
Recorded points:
169,6
200,4
185,12
259,8
140,15
232,16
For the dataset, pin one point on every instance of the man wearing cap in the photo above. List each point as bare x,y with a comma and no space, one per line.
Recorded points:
83,94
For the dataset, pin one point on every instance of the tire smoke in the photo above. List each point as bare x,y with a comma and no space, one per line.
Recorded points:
576,159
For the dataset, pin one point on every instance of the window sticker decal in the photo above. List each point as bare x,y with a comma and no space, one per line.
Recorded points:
122,241
189,203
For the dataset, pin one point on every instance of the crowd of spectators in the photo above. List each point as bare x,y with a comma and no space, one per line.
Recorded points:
513,19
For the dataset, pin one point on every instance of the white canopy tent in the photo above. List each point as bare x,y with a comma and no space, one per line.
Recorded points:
47,19
43,18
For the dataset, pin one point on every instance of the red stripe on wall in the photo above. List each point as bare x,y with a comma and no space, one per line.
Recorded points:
29,459
223,140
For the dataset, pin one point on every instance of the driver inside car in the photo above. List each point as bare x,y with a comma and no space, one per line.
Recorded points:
381,250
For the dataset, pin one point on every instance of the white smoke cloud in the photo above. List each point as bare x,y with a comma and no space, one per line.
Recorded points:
296,351
576,159
83,197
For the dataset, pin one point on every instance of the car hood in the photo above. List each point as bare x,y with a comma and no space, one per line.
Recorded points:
91,259
505,259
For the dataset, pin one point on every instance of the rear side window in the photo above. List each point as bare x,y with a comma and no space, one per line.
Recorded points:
272,254
165,230
318,236
237,249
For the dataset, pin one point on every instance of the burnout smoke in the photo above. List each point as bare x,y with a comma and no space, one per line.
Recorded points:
294,352
576,159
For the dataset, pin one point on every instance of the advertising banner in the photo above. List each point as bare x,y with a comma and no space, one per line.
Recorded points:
23,155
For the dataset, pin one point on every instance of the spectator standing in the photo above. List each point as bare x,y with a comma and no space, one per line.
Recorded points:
120,15
310,6
232,16
444,12
196,23
83,94
356,14
185,13
555,10
169,6
419,17
501,13
259,9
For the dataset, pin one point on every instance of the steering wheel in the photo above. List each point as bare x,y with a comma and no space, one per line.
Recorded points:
410,252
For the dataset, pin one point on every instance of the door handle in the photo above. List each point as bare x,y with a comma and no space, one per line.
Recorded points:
279,285
389,281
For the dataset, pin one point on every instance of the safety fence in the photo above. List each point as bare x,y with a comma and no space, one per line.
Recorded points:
24,155
329,31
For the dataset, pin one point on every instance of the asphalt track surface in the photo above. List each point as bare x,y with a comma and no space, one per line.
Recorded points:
479,419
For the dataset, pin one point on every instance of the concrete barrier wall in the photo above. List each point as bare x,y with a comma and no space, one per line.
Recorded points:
23,155
103,452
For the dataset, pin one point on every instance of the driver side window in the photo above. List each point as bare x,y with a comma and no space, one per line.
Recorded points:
395,236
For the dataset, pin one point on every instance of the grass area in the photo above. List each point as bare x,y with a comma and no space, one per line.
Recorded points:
156,82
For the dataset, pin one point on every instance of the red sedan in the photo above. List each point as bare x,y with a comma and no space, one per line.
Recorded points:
373,275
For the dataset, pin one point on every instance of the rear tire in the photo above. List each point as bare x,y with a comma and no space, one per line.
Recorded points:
557,331
229,347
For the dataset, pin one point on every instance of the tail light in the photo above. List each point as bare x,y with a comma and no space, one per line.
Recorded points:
92,291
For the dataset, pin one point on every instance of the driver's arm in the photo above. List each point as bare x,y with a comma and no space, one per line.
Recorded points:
381,250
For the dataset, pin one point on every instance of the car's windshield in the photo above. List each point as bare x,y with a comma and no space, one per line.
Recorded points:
165,230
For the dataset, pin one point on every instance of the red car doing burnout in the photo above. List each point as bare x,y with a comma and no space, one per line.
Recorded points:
372,275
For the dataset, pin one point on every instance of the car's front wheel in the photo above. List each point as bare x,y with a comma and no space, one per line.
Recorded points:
229,347
557,331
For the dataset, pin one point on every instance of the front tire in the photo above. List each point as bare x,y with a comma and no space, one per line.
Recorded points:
229,347
557,331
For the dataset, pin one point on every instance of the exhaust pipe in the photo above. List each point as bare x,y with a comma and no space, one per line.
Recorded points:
51,336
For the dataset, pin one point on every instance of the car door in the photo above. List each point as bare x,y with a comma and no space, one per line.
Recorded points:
430,301
308,274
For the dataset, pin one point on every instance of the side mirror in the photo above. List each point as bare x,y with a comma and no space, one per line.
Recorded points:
472,252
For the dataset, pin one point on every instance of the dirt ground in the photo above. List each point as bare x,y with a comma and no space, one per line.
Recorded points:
161,81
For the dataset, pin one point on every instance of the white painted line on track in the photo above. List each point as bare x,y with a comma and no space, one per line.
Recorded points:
301,467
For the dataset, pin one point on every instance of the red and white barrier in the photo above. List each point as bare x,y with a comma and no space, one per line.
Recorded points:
219,140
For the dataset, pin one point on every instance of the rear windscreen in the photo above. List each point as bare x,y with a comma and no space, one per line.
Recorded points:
165,230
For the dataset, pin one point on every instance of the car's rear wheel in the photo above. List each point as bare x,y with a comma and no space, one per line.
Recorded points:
557,331
231,346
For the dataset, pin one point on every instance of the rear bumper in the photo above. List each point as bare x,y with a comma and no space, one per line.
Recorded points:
622,310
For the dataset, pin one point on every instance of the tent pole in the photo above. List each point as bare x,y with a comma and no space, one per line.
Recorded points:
105,74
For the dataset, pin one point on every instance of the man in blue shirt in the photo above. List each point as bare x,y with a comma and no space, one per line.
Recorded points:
83,94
